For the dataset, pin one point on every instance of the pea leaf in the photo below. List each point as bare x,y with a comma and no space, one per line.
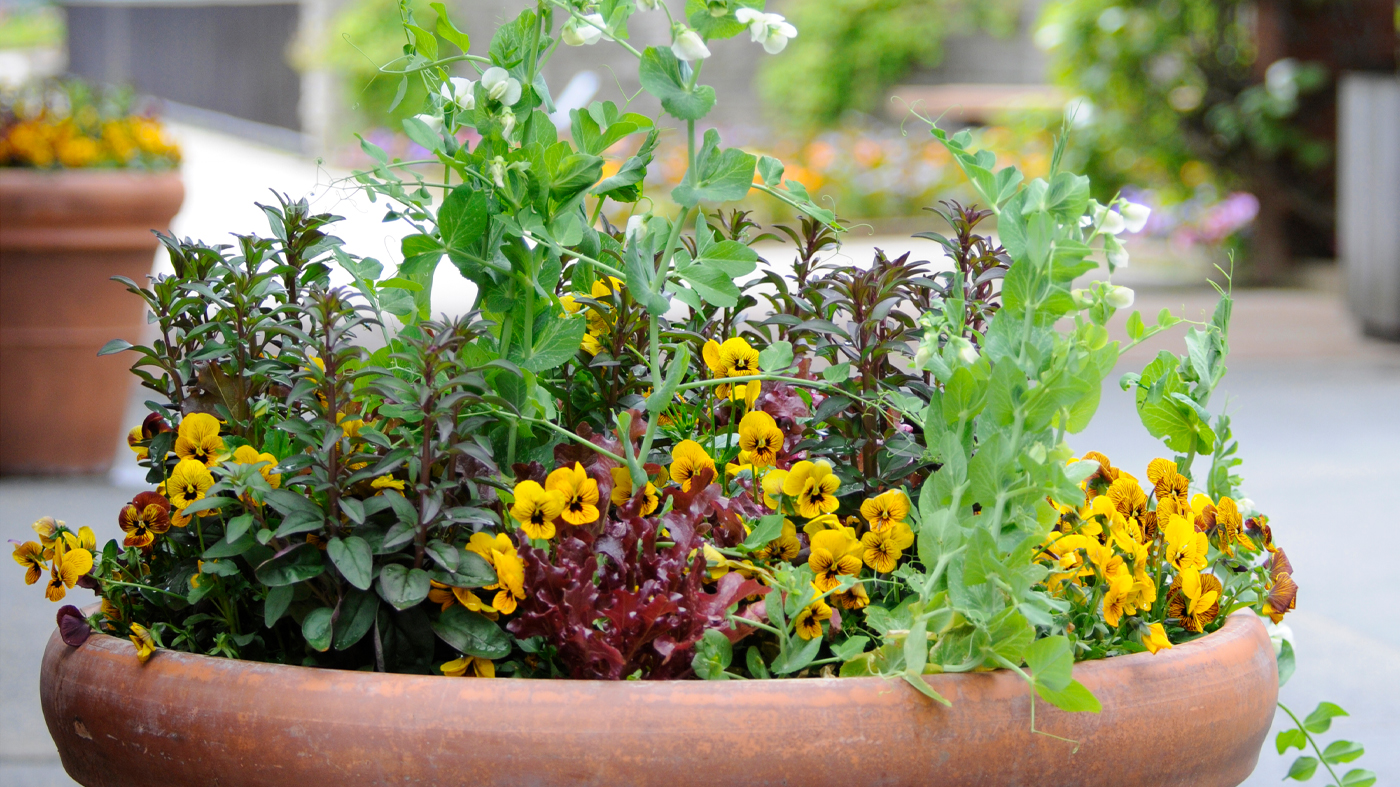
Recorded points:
713,655
403,587
553,345
1291,738
661,76
353,557
718,175
1051,662
471,633
1320,720
1287,663
1074,698
1303,769
1342,751
419,132
767,529
1358,777
449,31
776,357
771,170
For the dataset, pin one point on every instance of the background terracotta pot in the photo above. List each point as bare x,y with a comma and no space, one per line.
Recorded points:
63,235
1195,715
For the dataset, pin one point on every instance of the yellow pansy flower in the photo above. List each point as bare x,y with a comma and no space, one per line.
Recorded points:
387,482
772,486
687,460
622,491
1186,548
248,455
738,358
133,441
885,509
188,482
48,530
144,518
446,595
855,598
144,642
882,549
760,436
1156,639
68,566
812,487
784,547
578,492
809,620
30,556
198,439
500,552
1194,599
536,509
834,553
469,666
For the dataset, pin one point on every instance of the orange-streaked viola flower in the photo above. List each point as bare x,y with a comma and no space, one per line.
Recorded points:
809,620
622,491
198,439
812,487
68,567
500,552
687,460
577,491
760,436
784,547
885,509
189,481
144,642
1186,548
835,553
469,666
248,455
882,549
1156,639
1194,599
30,555
144,518
854,598
446,595
387,482
536,508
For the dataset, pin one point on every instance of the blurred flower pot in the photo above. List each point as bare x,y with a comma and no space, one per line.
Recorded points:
1194,715
63,235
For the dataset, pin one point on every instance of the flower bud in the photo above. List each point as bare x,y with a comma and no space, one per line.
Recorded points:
507,122
1080,298
922,357
648,5
689,46
966,352
1134,215
636,228
433,122
581,33
1118,297
459,91
497,170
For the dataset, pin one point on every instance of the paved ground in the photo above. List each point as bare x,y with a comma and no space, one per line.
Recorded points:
1317,412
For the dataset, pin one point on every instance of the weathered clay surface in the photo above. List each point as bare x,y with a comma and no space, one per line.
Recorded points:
63,235
1193,716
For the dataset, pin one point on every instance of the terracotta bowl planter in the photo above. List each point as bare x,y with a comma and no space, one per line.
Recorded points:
1195,715
63,235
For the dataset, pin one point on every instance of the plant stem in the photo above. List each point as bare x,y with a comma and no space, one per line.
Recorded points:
1312,742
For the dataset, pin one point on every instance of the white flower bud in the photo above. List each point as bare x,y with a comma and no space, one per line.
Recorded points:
1080,298
689,46
771,30
433,122
581,33
459,91
966,352
1112,223
1134,215
922,357
1118,257
497,169
1118,297
636,228
501,86
507,122
648,5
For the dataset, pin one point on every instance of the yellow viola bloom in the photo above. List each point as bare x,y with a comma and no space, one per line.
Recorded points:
812,487
387,482
1127,497
68,566
885,509
784,547
880,552
447,595
602,288
30,556
133,441
198,439
746,392
688,459
188,482
144,642
760,436
772,486
144,518
809,620
536,509
817,524
1117,601
591,345
469,665
622,491
855,598
1156,639
48,530
738,358
500,552
577,491
834,553
1194,599
1231,526
1186,548
570,304
248,455
349,426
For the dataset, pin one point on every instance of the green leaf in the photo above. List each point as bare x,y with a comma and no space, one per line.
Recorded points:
556,343
472,633
623,186
1287,663
660,74
714,285
638,263
1358,777
316,628
713,655
1135,327
718,176
662,397
223,548
1074,698
419,132
354,558
448,31
797,655
732,257
754,660
917,681
1320,720
275,605
916,647
771,170
838,373
850,648
1051,662
1303,769
115,346
1289,739
462,220
776,357
296,564
403,587
357,611
1338,752
767,529
424,41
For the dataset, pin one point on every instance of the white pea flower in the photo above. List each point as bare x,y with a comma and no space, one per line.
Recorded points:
771,30
922,357
507,122
1134,215
1119,297
501,86
459,91
1080,298
1278,633
1110,222
1118,257
580,33
497,168
966,352
1246,506
433,122
636,228
689,46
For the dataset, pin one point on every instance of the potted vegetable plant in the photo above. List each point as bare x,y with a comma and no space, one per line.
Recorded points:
842,496
83,181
